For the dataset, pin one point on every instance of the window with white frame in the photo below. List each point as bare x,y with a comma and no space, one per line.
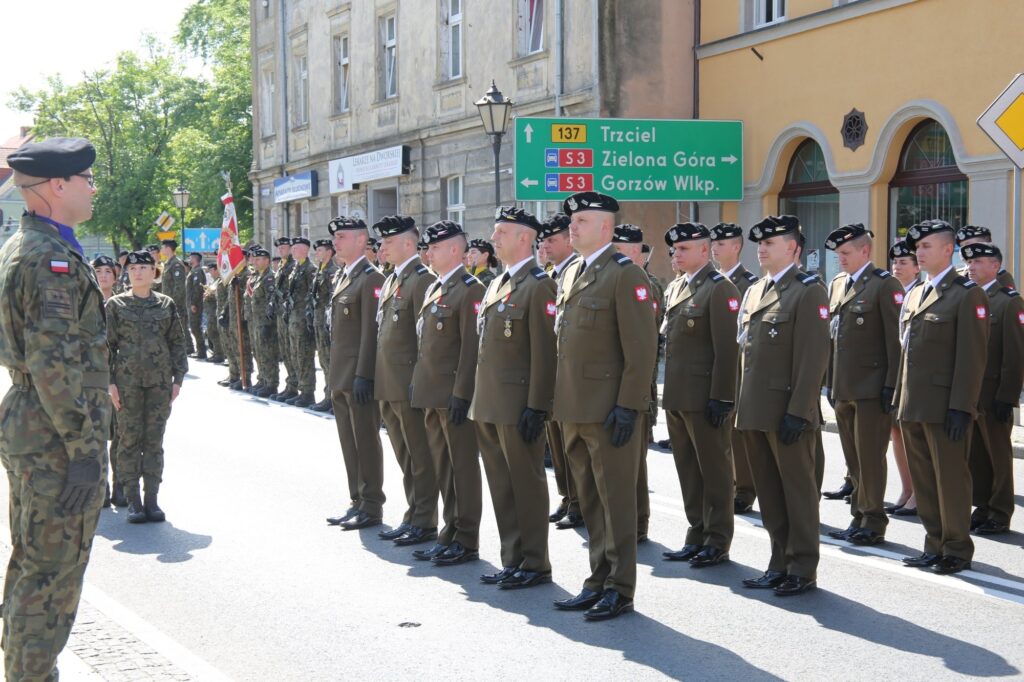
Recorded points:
531,26
769,12
455,203
300,111
451,39
389,56
341,73
267,101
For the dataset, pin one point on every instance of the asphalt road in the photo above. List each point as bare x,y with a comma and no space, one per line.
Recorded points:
245,581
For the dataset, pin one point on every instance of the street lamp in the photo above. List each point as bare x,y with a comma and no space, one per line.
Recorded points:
181,197
495,112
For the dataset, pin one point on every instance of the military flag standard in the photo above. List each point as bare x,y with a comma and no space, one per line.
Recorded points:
230,258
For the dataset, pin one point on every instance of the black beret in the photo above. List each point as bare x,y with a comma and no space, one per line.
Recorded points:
213,266
725,231
324,243
972,232
840,236
773,226
141,258
124,252
103,262
259,252
627,233
482,245
296,241
925,229
345,223
153,247
590,201
900,250
390,225
554,225
421,245
57,157
972,251
686,232
513,214
371,241
170,242
283,241
439,231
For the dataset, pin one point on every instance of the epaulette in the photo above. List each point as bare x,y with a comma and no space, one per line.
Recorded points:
964,282
884,274
1010,291
751,277
367,269
422,269
538,272
716,276
808,280
468,279
1001,271
622,259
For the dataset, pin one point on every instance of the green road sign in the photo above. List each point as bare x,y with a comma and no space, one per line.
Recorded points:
631,159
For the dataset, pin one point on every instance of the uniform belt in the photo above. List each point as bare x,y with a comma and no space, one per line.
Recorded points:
89,379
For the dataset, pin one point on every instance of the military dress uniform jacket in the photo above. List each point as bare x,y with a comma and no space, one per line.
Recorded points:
742,278
353,322
944,350
700,341
1004,369
400,302
784,348
147,344
448,346
607,340
53,339
516,358
864,327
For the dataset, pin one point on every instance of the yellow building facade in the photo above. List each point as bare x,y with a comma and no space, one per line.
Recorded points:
862,111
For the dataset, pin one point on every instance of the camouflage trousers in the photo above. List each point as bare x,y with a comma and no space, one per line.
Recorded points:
236,365
323,352
115,439
141,424
284,347
213,335
303,347
49,551
195,324
263,336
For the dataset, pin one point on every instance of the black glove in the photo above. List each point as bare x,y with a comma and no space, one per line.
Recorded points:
957,423
791,428
310,327
268,330
621,420
362,390
223,321
717,412
887,396
1003,411
80,484
531,424
458,410
271,310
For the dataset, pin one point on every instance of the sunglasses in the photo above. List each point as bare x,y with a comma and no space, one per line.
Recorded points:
89,178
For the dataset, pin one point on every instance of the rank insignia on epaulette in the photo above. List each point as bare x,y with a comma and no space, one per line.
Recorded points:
882,273
716,276
1010,291
422,269
468,279
751,277
538,273
808,280
622,259
368,269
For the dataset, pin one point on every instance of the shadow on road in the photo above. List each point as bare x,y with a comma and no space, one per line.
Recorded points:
169,544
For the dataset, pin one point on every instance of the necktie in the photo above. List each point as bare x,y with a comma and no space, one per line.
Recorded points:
504,279
771,283
433,288
583,268
686,282
927,290
849,285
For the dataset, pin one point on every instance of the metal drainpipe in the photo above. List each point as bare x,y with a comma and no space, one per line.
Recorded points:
283,23
559,57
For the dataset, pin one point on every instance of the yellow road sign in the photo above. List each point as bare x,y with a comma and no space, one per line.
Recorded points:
1003,121
166,235
165,221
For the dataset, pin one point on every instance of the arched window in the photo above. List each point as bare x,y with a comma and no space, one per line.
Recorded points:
927,183
810,196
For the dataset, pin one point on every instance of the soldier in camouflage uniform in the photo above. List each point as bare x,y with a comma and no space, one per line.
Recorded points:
323,286
175,284
213,337
53,343
281,314
262,325
122,285
106,277
195,285
302,344
148,364
236,311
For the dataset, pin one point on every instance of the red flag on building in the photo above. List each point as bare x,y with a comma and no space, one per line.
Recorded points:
230,258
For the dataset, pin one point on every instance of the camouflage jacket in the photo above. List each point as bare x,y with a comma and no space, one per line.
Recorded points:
147,344
281,287
194,288
174,285
300,292
261,293
53,340
323,287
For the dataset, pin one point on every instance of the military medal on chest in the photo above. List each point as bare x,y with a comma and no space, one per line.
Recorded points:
773,332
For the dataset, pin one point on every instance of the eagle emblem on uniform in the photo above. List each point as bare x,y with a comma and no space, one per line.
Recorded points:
823,312
756,232
572,204
914,233
981,312
897,297
641,294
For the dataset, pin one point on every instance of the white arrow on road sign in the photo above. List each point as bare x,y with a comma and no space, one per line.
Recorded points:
529,135
729,159
202,240
527,182
190,245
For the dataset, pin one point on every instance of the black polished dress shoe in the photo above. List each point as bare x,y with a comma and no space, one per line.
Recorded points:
338,520
843,534
495,578
225,382
767,581
844,490
581,602
741,507
890,508
950,564
522,579
794,584
978,517
865,537
395,532
611,605
923,560
685,554
992,527
430,554
559,513
456,554
415,536
905,511
361,520
709,556
571,520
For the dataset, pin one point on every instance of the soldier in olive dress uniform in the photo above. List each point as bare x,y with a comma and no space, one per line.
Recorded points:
323,286
976,234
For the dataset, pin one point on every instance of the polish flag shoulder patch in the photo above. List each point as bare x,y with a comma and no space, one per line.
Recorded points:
734,305
376,292
897,297
982,312
1020,317
641,294
476,308
823,312
551,309
61,266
